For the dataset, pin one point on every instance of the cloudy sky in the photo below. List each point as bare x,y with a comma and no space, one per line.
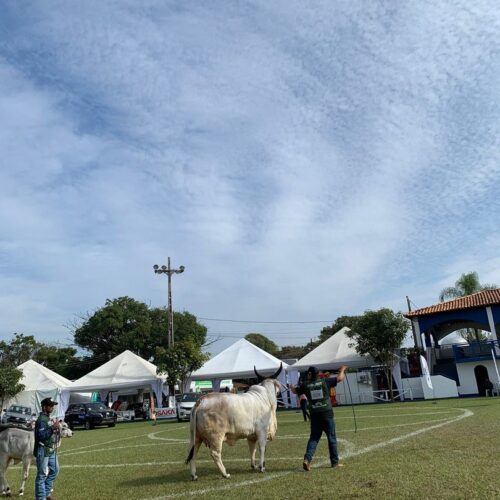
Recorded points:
302,161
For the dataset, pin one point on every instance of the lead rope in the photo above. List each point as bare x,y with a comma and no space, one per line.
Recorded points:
352,403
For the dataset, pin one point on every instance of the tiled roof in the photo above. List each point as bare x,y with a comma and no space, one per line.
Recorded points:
478,299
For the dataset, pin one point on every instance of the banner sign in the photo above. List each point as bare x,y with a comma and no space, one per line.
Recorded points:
162,413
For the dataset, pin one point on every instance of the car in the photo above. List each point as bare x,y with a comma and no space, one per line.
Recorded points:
186,404
90,415
19,415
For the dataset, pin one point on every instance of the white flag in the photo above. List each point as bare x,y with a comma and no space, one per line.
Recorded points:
425,371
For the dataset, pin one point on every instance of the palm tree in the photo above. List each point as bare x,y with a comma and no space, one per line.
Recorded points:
467,284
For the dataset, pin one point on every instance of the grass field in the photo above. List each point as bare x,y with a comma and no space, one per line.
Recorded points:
443,449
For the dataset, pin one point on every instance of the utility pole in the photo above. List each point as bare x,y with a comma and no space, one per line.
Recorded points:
170,320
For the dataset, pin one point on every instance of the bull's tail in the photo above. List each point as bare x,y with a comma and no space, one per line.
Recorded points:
193,433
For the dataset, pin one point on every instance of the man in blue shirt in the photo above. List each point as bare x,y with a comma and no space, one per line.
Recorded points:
317,391
47,464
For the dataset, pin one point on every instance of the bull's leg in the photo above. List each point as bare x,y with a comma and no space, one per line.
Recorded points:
262,451
216,452
4,486
192,463
26,473
252,446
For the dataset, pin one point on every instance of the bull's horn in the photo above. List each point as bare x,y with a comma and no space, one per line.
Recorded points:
260,378
277,372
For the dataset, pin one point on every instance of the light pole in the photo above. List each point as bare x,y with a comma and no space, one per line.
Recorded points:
170,321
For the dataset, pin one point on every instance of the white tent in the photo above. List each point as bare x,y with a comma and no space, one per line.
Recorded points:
238,361
125,371
39,383
333,353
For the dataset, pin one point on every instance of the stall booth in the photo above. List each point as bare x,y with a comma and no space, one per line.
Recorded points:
329,356
40,383
125,374
238,362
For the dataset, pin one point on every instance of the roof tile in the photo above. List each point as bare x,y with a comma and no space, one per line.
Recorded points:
478,299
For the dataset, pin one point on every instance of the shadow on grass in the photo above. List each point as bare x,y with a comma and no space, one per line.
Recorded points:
183,476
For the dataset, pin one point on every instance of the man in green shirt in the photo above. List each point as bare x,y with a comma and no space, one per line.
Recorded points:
47,464
317,391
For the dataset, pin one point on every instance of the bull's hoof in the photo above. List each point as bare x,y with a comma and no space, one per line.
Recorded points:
21,493
194,478
226,476
253,467
262,469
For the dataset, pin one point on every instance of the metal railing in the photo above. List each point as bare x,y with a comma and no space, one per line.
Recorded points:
475,351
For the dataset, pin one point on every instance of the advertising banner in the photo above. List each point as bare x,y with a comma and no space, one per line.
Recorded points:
163,413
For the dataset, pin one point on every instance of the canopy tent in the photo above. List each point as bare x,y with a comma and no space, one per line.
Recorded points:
333,353
238,361
39,383
125,371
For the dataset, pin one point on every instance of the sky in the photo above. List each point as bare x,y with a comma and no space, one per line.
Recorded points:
302,160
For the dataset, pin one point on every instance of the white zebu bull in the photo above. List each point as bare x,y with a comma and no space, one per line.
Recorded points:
219,417
16,445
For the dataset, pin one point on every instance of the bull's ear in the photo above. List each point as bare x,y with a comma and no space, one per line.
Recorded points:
278,371
260,378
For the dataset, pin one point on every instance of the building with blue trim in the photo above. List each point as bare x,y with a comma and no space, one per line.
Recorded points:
475,365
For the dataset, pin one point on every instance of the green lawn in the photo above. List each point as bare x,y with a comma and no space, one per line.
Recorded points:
443,449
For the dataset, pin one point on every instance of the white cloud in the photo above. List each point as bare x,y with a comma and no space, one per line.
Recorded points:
301,163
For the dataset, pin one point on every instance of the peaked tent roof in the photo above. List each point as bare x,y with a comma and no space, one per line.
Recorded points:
333,353
237,361
39,377
127,370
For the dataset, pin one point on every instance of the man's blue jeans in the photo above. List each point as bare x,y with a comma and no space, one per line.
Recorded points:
322,422
47,469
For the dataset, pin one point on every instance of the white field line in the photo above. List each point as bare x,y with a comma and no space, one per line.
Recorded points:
231,485
358,417
118,440
288,436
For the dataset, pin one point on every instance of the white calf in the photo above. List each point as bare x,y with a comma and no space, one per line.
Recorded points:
17,445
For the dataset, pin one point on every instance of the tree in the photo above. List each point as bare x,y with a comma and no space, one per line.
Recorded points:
379,333
467,284
262,342
18,351
9,383
178,361
123,323
339,323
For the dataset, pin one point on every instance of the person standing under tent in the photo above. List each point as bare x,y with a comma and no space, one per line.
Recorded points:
317,391
47,465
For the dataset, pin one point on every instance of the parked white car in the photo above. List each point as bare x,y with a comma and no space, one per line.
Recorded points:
186,404
18,415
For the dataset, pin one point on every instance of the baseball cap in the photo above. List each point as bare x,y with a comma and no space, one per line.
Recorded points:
48,402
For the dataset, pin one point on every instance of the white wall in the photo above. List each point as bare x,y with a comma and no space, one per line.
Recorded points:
467,378
442,387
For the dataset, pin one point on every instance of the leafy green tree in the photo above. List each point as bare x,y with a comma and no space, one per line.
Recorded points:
9,383
18,351
378,334
262,342
178,361
123,323
467,284
339,323
186,327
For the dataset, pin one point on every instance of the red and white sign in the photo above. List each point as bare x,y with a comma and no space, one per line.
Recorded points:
162,413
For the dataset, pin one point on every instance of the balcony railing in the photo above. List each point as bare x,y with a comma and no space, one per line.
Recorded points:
476,351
